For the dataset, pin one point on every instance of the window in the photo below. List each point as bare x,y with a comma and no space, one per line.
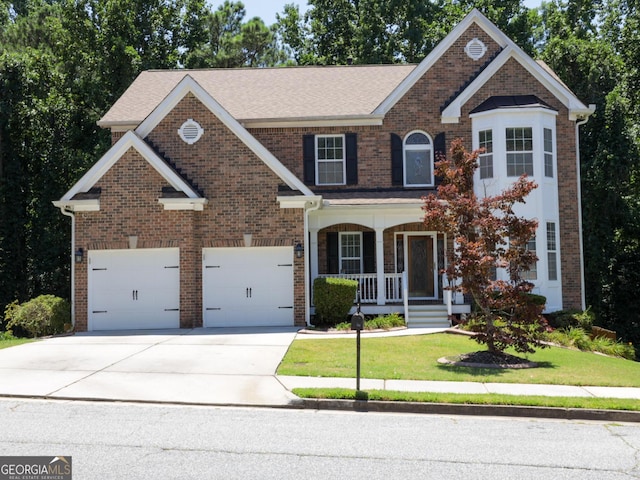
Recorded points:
486,158
350,253
330,160
552,251
418,160
519,151
532,273
548,153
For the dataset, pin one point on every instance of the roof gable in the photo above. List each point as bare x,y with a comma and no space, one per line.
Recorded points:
129,140
189,85
451,113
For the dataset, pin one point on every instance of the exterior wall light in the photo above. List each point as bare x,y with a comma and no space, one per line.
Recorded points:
299,249
79,255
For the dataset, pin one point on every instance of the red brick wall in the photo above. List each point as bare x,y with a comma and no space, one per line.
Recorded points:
241,191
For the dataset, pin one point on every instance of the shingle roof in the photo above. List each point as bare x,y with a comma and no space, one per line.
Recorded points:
511,101
268,93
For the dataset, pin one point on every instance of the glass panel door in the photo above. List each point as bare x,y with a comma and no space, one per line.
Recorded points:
420,266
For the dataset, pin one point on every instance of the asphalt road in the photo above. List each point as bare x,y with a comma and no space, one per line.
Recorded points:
136,441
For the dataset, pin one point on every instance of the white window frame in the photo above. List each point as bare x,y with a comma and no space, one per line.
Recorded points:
342,160
524,152
552,251
548,161
415,148
485,159
341,258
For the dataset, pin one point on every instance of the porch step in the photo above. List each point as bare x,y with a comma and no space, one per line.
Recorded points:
429,316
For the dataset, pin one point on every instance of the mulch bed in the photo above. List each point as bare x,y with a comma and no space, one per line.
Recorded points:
486,359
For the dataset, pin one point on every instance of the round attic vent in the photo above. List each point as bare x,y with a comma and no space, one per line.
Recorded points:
475,49
190,131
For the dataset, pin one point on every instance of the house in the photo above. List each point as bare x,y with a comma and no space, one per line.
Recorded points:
226,192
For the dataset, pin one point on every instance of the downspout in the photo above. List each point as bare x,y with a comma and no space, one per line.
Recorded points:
70,213
309,207
583,294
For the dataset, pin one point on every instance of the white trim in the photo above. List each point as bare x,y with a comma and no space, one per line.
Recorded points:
196,204
576,108
342,160
300,201
92,205
189,85
430,160
308,122
473,17
102,166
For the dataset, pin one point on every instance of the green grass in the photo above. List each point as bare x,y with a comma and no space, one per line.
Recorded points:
474,399
12,342
415,358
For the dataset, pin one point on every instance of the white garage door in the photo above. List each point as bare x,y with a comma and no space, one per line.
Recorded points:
247,286
134,289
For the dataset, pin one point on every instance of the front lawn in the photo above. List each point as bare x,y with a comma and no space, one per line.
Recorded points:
12,342
415,357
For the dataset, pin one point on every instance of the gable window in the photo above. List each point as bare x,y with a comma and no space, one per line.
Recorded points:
418,160
486,158
548,153
519,142
552,251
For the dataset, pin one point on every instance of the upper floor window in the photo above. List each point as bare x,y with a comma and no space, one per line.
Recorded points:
330,160
519,143
418,160
485,159
548,153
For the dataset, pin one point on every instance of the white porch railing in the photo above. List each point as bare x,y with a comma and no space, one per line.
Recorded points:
368,286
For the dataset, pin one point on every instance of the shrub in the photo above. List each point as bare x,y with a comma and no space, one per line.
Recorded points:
566,319
381,322
44,315
333,298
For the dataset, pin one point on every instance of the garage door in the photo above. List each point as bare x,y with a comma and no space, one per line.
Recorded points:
134,289
247,286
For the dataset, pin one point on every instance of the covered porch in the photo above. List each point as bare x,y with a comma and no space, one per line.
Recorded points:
388,251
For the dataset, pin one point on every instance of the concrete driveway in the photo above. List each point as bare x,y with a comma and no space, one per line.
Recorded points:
226,366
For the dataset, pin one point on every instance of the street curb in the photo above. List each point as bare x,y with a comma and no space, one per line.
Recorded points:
475,410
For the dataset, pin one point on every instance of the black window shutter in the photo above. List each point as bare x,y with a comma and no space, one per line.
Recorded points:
439,151
396,160
351,144
369,252
332,253
309,158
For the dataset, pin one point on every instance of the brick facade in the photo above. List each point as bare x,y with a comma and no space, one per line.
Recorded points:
242,190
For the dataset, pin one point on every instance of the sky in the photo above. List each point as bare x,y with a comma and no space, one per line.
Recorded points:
267,9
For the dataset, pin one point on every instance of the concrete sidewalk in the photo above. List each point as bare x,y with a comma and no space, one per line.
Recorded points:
461,387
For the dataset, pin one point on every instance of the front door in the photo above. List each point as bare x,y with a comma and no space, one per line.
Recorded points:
420,266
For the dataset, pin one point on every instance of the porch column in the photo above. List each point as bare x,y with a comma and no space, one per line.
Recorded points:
313,259
380,266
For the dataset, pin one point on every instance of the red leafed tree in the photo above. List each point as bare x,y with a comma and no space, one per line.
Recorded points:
487,234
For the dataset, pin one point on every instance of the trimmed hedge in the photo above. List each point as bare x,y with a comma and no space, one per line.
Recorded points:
44,315
333,298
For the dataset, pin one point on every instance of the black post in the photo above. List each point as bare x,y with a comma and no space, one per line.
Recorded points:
358,361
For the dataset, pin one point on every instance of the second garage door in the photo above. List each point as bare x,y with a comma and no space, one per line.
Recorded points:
247,286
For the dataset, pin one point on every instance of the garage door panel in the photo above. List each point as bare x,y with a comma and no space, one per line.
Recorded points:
134,289
248,286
